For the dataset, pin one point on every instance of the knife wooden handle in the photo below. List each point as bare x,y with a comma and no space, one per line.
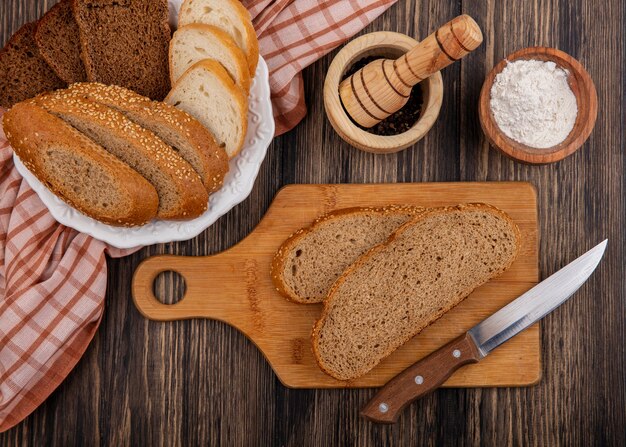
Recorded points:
420,379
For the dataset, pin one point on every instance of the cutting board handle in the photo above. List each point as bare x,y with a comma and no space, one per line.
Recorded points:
211,285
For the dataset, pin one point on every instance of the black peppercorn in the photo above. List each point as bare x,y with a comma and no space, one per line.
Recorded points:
400,121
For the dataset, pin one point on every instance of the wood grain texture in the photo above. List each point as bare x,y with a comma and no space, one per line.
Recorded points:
201,382
235,286
586,98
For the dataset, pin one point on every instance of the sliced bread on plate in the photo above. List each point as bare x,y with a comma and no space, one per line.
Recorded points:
78,170
58,41
230,16
125,42
194,42
23,72
308,263
428,266
180,190
209,94
193,142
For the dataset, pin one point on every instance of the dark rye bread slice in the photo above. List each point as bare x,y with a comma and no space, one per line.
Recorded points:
23,72
125,42
175,127
428,266
180,190
307,264
77,170
59,43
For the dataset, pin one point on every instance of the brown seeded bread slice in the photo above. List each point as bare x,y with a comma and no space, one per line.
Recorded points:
175,127
307,264
23,72
125,42
180,190
230,16
78,170
59,43
391,293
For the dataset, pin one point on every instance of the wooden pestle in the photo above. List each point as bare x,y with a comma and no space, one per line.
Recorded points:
383,86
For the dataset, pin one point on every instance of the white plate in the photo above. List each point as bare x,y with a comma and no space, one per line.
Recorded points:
237,184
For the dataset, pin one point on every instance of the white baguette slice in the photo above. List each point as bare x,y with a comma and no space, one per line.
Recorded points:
195,42
228,15
209,94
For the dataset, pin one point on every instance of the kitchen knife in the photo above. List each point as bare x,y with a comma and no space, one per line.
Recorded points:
427,374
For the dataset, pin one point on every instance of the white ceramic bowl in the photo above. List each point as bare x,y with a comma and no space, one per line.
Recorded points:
237,184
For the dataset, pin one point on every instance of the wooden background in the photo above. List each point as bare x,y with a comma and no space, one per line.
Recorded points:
203,383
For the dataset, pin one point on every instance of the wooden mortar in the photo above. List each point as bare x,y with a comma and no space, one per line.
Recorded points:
383,86
385,44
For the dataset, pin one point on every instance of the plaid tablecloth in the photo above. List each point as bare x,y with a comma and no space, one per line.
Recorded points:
53,279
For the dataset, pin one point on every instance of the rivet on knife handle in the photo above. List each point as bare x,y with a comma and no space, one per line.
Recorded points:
420,379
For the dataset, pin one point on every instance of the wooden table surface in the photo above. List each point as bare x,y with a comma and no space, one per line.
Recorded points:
203,383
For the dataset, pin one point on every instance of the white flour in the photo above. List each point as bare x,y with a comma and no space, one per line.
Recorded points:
533,104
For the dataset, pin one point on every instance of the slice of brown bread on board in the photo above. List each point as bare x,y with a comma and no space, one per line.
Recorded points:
78,170
23,72
125,42
307,264
59,43
181,193
175,127
428,266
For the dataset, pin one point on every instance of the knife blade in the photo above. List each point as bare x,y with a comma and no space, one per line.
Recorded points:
427,374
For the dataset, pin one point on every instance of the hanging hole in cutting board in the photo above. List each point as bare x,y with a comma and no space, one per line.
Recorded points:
169,287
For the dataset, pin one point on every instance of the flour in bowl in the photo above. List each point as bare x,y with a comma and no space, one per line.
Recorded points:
533,104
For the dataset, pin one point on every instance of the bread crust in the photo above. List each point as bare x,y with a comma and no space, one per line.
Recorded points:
154,84
252,43
29,128
235,91
236,53
194,198
25,32
40,38
212,158
280,258
365,257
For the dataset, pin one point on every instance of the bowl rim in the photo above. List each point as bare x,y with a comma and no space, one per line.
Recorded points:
583,88
340,120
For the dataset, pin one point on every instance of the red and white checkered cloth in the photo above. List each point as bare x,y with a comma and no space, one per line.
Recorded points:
53,279
295,33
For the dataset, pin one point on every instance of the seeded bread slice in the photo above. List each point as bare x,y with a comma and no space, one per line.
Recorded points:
228,15
23,72
209,94
125,42
310,261
78,170
192,43
180,190
428,266
175,127
58,41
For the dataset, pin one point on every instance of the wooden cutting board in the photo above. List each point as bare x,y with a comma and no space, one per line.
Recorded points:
235,286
